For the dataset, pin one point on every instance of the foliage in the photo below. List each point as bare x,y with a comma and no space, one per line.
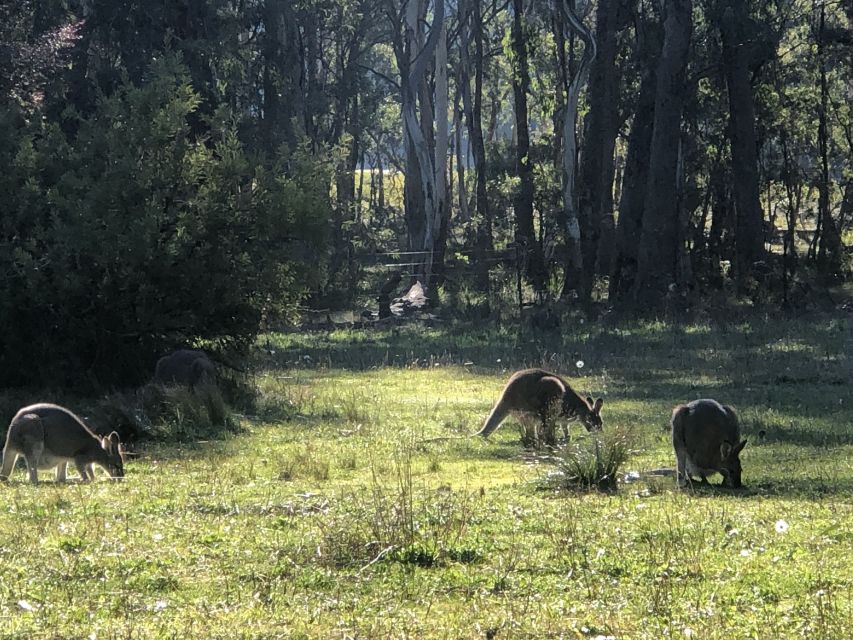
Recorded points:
165,414
123,237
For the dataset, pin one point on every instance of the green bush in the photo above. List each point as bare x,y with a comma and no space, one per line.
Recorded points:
123,236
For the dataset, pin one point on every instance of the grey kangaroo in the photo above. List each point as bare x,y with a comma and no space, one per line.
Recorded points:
188,367
547,396
49,436
706,439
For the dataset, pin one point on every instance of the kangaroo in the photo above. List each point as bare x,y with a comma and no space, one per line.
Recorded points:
706,439
547,396
188,367
49,436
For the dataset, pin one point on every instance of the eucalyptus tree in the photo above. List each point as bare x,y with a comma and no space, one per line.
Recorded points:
418,50
658,250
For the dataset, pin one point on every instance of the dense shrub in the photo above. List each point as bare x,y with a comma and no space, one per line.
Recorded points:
122,236
164,413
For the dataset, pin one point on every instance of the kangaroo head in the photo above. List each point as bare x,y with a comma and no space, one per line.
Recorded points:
730,463
115,455
591,419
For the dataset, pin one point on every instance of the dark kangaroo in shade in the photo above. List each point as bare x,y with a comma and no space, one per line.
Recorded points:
187,367
548,397
706,439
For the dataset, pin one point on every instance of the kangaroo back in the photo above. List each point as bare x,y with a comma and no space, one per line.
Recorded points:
706,439
536,391
187,367
48,436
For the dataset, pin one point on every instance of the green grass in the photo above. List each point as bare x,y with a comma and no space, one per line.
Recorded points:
353,505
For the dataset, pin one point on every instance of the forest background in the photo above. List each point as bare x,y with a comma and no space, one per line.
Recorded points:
192,172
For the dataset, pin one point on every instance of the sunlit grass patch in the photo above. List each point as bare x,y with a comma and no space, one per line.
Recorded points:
355,502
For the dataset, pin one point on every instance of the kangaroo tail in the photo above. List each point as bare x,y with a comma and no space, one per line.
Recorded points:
498,413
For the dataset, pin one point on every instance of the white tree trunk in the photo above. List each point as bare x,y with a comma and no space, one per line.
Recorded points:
573,23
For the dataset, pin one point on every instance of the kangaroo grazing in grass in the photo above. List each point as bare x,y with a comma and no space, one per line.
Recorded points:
49,436
547,396
188,367
706,439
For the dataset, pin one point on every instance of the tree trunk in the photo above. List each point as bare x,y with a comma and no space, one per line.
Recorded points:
425,186
576,227
636,173
829,243
658,253
595,179
749,231
525,235
484,243
434,239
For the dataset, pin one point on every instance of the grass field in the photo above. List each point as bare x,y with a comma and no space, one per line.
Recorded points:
353,504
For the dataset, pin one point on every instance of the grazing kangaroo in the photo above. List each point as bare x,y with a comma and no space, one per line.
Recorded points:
188,367
547,396
49,436
706,439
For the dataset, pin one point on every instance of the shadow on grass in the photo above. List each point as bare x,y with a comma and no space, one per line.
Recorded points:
799,437
809,487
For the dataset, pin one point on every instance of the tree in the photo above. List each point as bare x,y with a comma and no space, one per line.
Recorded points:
737,32
601,126
525,235
658,250
426,197
575,279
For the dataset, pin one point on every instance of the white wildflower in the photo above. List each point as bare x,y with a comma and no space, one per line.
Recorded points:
781,526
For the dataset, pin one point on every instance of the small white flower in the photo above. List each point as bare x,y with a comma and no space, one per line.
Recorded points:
157,537
732,532
781,526
688,632
579,364
745,553
160,605
26,606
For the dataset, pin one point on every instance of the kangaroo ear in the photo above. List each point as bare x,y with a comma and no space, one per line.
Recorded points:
596,408
114,437
725,449
739,447
589,400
